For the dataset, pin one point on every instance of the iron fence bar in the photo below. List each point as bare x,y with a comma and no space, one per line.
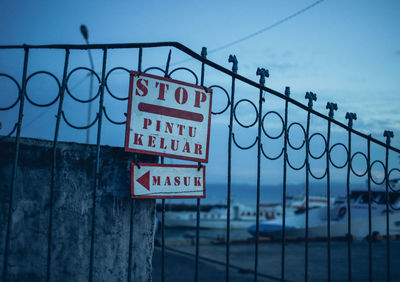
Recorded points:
285,156
198,57
196,266
196,271
287,93
53,168
163,200
350,116
132,201
388,135
163,239
132,213
97,175
262,73
163,230
307,197
232,59
311,97
15,164
369,212
328,196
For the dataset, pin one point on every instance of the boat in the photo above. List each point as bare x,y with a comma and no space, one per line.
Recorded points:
295,224
241,216
215,216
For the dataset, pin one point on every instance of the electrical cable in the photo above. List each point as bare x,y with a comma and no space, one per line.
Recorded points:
259,31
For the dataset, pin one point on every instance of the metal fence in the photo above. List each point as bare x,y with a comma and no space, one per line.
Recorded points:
258,102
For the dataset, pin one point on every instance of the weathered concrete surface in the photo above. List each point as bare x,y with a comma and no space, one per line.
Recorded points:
72,214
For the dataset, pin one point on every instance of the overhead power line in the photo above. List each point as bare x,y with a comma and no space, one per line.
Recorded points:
266,28
299,12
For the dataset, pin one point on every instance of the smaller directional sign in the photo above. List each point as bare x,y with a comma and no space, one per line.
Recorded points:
167,181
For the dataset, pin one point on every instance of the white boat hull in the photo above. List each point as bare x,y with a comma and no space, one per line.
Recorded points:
318,226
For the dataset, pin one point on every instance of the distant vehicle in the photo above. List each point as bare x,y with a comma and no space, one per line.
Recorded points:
295,225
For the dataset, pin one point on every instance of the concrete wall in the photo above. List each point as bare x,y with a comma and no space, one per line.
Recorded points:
72,214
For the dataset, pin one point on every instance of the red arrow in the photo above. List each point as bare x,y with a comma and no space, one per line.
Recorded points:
144,180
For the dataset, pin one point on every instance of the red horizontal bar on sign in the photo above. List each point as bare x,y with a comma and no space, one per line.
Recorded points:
170,112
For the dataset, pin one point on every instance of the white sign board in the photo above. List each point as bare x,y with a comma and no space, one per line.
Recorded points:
167,181
168,118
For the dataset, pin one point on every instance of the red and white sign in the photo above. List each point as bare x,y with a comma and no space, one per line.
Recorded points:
167,181
167,117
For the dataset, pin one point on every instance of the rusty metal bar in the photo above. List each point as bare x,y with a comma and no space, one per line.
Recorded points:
332,107
132,201
15,164
232,59
97,172
369,212
311,97
196,271
262,73
350,117
53,168
285,143
388,135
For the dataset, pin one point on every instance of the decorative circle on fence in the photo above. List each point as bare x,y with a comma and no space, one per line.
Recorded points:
243,147
263,128
292,166
111,120
45,73
79,127
228,100
389,177
255,109
108,89
91,73
18,95
315,176
288,136
366,164
185,69
330,155
271,158
324,142
155,68
372,175
393,208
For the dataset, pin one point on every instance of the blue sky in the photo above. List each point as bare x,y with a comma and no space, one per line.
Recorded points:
347,52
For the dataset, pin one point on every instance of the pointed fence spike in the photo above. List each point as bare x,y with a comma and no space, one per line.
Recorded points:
332,107
232,59
389,135
287,91
204,52
351,117
311,97
263,73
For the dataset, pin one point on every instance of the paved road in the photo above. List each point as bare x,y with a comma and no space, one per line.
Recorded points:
181,267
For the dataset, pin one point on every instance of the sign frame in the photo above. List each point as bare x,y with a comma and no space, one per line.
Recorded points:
165,196
168,155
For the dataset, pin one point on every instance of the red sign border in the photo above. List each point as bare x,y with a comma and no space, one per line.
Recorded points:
165,197
128,118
